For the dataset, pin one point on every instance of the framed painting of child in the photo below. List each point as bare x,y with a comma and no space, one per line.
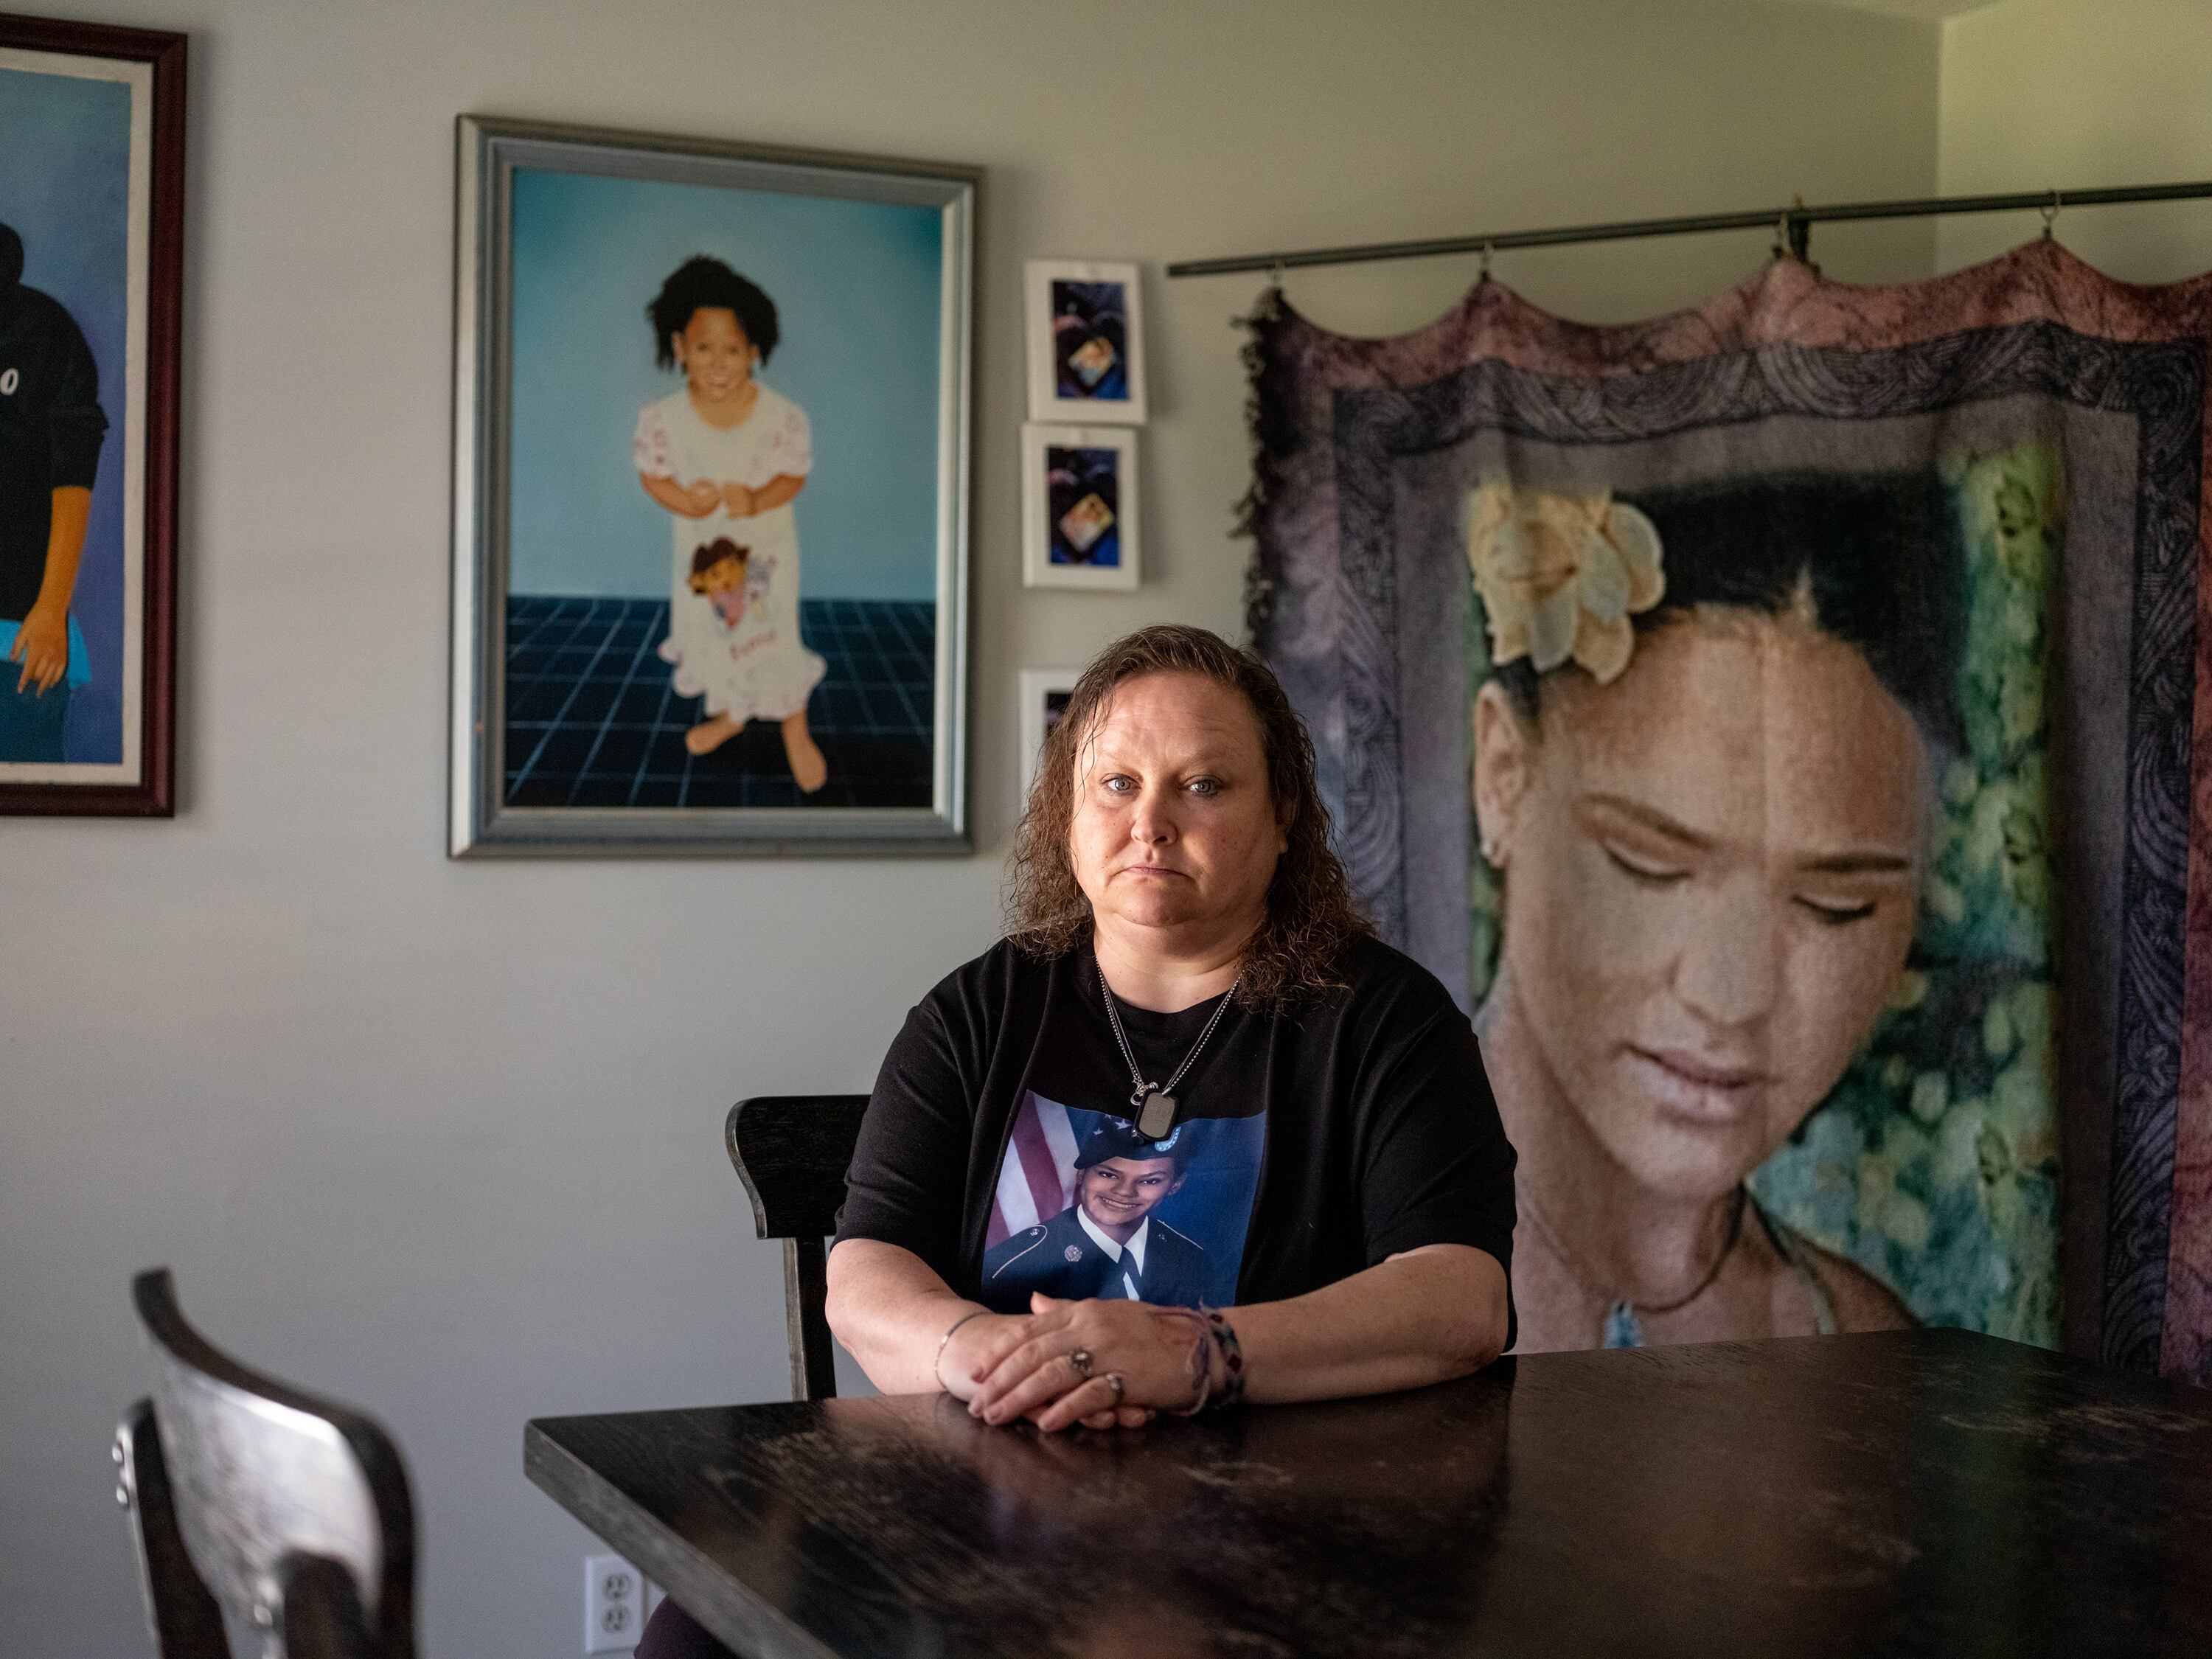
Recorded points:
711,414
92,176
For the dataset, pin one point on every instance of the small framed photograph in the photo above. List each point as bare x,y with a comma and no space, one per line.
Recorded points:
92,216
1085,343
1045,692
710,518
1078,506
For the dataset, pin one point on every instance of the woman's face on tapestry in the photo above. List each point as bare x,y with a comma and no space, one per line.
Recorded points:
1711,873
717,357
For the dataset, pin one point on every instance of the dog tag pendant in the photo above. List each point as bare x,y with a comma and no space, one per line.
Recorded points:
1157,1118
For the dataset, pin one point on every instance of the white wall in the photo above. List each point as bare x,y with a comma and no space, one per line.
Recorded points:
2045,94
442,1138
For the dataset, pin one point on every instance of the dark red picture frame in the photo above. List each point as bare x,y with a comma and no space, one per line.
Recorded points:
154,794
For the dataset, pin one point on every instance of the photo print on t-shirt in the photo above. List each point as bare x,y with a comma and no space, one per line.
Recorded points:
1087,1206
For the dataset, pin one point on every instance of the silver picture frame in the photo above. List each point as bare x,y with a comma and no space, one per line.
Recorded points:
482,821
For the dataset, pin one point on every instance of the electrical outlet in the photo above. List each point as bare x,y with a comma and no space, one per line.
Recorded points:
614,1604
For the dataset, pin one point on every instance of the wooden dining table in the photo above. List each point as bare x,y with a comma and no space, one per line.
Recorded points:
1930,1491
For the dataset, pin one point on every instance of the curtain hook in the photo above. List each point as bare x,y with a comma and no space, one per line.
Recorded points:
2050,212
1800,234
1781,237
1483,269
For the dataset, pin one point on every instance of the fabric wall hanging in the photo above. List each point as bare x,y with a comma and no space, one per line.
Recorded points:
1777,722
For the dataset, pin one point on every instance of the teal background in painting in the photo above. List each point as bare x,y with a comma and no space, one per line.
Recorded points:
1933,1163
66,189
856,286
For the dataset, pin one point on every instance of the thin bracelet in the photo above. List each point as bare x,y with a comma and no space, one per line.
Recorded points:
937,1362
1201,1363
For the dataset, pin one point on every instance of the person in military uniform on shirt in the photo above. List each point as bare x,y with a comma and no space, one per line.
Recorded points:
1108,1243
51,431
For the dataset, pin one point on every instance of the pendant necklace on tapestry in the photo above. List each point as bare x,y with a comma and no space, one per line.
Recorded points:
1621,1328
1154,1104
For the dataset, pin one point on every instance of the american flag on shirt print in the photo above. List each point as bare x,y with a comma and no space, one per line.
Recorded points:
1036,1176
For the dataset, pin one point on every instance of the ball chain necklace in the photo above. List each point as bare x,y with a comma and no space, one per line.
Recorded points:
1155,1102
1622,1328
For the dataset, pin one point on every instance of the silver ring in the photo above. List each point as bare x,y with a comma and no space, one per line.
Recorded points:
1114,1381
1080,1359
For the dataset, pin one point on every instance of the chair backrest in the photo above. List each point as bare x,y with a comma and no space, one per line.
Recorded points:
288,1513
187,1624
792,1152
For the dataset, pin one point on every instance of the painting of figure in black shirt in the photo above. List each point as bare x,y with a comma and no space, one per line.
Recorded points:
52,427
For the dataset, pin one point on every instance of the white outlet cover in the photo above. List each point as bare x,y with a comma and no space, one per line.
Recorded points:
614,1604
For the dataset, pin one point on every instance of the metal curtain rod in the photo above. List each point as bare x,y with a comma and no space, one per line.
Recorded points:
1793,220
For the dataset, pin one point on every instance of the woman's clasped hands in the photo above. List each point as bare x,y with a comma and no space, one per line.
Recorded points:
1101,1365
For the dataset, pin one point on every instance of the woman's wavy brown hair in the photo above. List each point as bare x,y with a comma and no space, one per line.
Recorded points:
1311,915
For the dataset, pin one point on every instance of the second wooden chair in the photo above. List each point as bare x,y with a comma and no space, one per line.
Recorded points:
288,1513
791,1152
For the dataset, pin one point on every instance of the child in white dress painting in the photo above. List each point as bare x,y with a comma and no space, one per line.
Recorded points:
727,456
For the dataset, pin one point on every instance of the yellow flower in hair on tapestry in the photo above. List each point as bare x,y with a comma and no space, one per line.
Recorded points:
1561,575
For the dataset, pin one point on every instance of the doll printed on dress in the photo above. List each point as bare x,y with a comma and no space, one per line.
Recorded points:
725,456
729,577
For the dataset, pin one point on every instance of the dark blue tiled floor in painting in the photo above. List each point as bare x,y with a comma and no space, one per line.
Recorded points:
592,720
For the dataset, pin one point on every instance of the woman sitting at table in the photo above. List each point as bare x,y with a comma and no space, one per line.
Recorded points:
1188,1033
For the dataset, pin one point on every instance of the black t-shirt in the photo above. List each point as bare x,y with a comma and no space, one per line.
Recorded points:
51,429
998,1145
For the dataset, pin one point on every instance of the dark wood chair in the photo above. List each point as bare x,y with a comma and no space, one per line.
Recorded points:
288,1513
792,1152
